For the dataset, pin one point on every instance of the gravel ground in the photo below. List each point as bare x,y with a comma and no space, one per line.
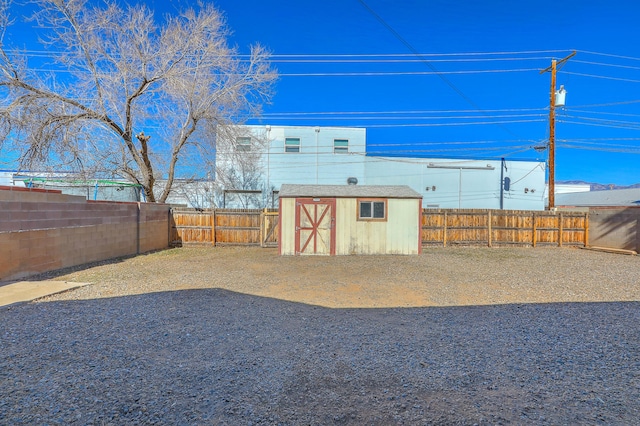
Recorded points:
458,336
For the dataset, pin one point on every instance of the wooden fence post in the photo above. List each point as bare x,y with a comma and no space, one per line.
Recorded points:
262,226
489,223
560,231
444,233
213,227
535,232
586,229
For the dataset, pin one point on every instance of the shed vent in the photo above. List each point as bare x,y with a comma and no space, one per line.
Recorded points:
352,181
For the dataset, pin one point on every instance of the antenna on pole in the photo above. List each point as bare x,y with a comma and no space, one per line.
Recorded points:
552,125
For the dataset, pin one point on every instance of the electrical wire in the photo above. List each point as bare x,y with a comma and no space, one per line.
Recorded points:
618,150
394,73
605,65
602,120
474,123
411,117
312,113
621,114
56,54
635,101
597,124
609,55
418,55
399,61
628,80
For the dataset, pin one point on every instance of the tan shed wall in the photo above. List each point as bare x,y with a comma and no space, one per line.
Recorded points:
288,226
400,234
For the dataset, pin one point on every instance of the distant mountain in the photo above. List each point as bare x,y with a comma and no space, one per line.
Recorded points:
598,186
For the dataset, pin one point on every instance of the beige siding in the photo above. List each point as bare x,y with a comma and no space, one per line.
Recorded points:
288,228
398,235
403,227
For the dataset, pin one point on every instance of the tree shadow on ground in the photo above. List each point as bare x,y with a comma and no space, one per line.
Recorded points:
215,356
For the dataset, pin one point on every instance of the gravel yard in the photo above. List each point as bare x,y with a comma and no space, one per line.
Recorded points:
457,336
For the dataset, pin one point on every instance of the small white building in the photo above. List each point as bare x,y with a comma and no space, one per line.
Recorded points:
349,219
338,155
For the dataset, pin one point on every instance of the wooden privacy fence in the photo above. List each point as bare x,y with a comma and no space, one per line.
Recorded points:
504,227
225,227
439,227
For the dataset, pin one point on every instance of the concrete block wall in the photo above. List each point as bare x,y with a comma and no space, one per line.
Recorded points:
154,226
615,227
44,230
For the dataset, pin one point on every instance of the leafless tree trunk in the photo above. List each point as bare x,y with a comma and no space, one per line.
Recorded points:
125,96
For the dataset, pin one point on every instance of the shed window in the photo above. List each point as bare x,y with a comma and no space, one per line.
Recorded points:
369,209
243,143
341,146
292,145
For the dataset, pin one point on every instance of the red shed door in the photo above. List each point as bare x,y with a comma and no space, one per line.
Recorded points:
315,231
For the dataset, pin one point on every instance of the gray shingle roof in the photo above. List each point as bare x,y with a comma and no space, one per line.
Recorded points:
614,197
347,191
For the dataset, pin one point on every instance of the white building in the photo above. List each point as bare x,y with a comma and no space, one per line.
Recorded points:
337,156
568,188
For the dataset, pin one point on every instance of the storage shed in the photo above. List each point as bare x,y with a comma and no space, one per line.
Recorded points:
349,219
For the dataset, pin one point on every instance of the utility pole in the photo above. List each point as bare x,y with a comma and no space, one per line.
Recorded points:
552,128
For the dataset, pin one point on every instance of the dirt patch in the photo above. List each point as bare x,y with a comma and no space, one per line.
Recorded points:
439,277
216,352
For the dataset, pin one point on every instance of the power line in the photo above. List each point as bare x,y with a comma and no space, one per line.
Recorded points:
620,114
610,55
55,54
417,54
475,123
446,143
399,61
410,117
603,139
635,101
599,125
391,73
580,142
606,65
629,80
602,120
404,111
382,55
603,149
346,73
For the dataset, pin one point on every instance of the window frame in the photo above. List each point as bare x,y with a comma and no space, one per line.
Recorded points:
245,145
340,149
298,146
371,201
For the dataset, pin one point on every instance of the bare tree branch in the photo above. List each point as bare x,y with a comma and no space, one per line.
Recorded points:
127,95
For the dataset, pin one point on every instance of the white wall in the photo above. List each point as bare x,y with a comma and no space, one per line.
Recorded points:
458,183
6,178
447,183
316,162
566,188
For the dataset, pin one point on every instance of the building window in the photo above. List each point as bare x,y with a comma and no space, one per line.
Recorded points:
340,146
372,210
292,145
243,143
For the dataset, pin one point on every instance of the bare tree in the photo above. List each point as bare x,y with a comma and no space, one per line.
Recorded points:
125,95
240,166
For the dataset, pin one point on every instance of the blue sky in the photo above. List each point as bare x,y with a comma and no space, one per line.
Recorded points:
460,79
598,132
